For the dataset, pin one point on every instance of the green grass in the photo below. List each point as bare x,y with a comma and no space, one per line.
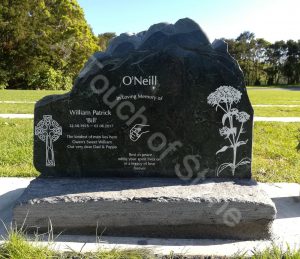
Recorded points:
22,96
257,96
259,111
16,148
276,111
297,86
264,96
274,96
276,252
16,108
276,158
25,95
18,246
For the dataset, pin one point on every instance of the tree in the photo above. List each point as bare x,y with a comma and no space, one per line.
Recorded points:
291,68
263,62
275,55
104,38
260,51
43,42
245,43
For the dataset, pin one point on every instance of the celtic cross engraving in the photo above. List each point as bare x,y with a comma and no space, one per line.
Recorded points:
48,131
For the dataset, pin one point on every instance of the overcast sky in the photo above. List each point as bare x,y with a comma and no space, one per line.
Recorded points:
269,19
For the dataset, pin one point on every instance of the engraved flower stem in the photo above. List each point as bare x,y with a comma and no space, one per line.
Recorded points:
232,141
235,138
234,146
241,129
220,106
234,159
235,149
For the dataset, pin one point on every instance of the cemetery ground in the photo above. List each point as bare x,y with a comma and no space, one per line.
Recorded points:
269,102
276,157
18,247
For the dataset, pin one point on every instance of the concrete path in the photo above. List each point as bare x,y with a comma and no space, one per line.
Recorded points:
277,105
17,102
254,105
10,189
290,88
266,119
285,228
16,116
277,119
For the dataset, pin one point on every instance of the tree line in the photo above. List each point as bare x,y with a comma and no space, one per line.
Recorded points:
265,63
45,43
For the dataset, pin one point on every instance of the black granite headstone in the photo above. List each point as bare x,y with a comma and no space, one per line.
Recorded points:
163,102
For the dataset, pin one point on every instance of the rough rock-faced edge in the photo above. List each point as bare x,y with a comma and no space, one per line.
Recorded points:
182,26
149,208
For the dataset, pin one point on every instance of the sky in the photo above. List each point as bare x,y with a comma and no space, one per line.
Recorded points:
269,19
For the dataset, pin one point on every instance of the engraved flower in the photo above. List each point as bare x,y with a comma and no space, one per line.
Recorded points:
228,115
242,117
225,131
233,111
224,94
224,97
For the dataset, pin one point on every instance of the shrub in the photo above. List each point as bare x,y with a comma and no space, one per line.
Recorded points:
50,79
3,79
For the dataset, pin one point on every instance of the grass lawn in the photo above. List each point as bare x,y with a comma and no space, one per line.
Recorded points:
273,96
17,246
275,155
16,144
290,86
276,111
16,108
276,158
257,96
25,95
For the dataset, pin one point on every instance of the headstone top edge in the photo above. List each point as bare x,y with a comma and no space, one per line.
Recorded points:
181,27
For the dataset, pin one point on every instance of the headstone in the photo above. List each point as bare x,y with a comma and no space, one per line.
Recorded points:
163,102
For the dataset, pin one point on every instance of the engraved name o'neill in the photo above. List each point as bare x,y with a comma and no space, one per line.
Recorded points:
134,80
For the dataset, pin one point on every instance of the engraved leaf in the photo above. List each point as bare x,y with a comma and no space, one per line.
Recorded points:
223,149
223,167
240,143
228,115
244,161
225,117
